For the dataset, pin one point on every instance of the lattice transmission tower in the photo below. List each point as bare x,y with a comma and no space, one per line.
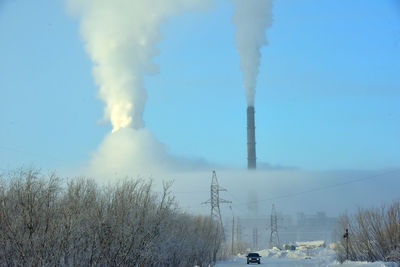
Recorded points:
215,200
274,237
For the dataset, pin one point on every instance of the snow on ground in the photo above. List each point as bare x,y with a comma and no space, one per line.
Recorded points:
300,257
311,244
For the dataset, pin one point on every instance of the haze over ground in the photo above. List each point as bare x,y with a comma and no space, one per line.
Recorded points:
326,102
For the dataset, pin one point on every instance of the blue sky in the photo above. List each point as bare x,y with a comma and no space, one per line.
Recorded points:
327,96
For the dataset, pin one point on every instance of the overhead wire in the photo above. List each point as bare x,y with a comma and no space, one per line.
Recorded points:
322,188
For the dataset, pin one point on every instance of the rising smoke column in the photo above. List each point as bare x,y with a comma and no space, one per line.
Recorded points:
120,38
251,19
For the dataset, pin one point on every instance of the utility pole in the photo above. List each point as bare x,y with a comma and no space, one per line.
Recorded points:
215,200
346,236
233,233
255,238
238,230
274,237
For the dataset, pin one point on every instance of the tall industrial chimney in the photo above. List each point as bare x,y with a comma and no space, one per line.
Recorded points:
251,139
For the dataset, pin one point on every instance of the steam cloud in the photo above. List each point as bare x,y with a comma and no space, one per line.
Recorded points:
251,18
129,151
120,38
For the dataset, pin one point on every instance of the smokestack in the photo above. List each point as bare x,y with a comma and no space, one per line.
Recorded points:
251,139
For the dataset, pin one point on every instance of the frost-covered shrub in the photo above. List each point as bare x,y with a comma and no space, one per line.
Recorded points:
46,223
374,234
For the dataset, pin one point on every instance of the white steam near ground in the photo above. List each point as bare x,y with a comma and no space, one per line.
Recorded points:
253,192
136,152
251,19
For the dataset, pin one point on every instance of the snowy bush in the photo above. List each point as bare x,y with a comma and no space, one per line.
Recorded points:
46,223
374,235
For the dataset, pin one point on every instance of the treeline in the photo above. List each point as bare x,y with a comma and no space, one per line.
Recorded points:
46,222
373,235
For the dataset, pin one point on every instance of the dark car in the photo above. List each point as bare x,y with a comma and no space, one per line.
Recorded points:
254,258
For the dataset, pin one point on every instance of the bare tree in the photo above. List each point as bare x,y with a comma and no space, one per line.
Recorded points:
374,234
45,222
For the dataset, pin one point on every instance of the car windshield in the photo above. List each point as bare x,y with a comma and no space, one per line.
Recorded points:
254,255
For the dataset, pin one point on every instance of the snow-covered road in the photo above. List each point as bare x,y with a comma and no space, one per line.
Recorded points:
275,262
297,263
318,257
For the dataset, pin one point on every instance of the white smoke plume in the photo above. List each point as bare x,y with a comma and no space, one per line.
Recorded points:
120,38
251,18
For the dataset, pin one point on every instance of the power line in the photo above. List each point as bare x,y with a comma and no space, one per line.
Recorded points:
190,192
238,201
371,177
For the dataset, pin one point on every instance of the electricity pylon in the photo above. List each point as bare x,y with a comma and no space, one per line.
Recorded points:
215,200
274,238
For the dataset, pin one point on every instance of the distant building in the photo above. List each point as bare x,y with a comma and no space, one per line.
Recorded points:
291,229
